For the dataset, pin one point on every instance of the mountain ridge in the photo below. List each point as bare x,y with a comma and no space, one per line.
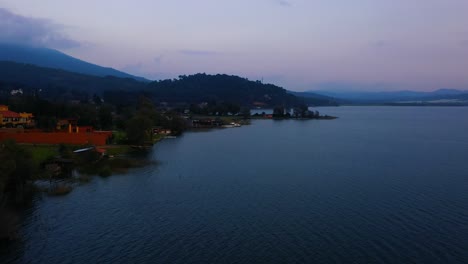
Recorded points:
60,84
382,97
51,58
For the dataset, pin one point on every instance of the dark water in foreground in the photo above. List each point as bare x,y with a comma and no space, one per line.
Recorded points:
378,185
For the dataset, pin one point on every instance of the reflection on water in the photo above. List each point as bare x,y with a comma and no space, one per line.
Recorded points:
377,185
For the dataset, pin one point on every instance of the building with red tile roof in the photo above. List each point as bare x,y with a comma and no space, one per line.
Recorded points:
12,119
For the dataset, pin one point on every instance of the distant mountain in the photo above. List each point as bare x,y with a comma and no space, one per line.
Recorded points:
448,92
316,99
55,59
441,96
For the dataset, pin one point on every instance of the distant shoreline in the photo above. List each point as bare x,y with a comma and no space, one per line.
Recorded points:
425,104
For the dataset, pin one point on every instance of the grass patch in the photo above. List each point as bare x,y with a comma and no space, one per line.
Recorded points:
120,137
107,167
116,150
41,153
157,138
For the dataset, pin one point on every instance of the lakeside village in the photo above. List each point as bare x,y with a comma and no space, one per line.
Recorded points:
52,154
138,133
63,145
21,127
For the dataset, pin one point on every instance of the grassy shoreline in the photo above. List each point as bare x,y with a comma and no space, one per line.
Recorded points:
58,164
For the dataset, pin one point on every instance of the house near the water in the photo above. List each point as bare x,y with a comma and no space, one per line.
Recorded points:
13,119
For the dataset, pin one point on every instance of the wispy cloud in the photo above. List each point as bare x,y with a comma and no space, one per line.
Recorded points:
190,52
33,31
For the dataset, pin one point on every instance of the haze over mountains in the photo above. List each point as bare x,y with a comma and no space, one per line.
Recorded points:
438,97
52,58
57,69
63,77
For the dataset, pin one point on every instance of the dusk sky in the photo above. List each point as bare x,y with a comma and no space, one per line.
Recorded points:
297,44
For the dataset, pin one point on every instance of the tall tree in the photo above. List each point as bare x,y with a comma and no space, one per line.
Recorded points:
140,127
16,168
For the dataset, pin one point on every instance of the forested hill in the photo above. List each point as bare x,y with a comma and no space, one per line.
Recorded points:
59,83
62,85
221,87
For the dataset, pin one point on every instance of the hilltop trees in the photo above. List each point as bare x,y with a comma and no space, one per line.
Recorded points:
221,88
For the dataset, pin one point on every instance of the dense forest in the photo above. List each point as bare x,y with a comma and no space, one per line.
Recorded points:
221,87
60,85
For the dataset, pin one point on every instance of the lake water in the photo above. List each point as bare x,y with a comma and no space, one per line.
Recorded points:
377,185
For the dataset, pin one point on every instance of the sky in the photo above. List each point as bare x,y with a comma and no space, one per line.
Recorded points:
371,45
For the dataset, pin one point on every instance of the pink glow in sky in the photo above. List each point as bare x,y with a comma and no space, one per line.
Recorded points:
297,44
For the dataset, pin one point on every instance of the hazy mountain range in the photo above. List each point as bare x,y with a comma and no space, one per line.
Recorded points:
51,58
52,68
62,77
438,97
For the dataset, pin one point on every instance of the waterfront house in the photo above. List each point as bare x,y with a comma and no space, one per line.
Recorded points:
161,131
12,119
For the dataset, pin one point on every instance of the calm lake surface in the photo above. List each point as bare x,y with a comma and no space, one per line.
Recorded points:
377,185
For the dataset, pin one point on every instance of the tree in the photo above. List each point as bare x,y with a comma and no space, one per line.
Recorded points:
139,130
105,117
174,122
85,113
245,112
15,169
303,110
278,111
97,100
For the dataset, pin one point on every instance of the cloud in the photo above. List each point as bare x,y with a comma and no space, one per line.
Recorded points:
197,52
33,31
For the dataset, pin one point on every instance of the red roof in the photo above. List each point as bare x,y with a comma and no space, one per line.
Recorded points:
10,114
